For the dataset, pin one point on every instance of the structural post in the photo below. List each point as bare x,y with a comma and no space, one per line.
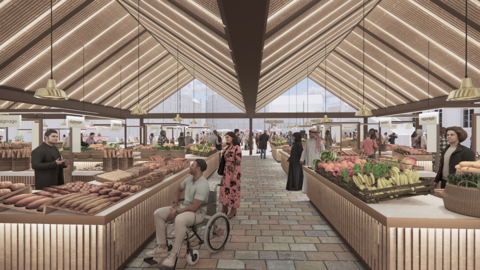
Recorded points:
341,136
70,143
358,135
142,132
250,137
380,137
125,134
437,153
365,127
417,123
40,132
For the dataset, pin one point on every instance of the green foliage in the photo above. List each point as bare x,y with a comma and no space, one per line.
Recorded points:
393,165
177,148
455,179
85,148
367,167
357,169
377,171
384,169
209,144
104,142
344,174
66,148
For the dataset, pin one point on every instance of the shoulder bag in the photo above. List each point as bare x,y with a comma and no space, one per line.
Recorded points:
221,167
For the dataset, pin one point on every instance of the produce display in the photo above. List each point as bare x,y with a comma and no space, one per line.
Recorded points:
328,156
469,167
408,151
178,148
203,151
116,176
146,147
164,148
5,145
346,153
402,162
280,142
7,187
455,179
359,152
21,153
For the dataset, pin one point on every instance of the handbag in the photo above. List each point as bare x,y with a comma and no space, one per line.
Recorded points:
221,167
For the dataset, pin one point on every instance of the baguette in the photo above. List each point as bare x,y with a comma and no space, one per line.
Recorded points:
36,204
124,195
17,186
114,193
40,208
92,205
107,185
79,201
17,198
55,200
92,200
4,191
44,193
117,185
98,208
104,196
26,201
5,184
63,192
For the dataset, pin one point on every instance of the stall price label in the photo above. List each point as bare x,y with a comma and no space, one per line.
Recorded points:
75,122
429,118
10,120
115,125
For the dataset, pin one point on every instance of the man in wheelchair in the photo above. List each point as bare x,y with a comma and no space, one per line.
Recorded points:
196,192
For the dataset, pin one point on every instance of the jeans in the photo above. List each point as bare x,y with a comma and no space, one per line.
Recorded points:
371,156
264,153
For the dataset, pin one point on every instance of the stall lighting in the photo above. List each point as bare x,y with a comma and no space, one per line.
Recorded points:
138,110
193,122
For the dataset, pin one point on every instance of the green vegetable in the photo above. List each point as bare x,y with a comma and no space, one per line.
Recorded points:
167,148
357,169
393,165
316,162
367,167
85,148
384,169
177,148
344,174
377,171
104,142
66,148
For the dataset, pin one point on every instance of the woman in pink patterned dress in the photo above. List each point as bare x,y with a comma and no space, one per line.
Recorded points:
230,191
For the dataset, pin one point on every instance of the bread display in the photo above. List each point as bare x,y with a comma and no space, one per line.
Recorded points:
5,184
17,186
17,198
26,201
115,176
37,203
4,191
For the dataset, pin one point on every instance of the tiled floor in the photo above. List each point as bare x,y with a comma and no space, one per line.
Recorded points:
273,229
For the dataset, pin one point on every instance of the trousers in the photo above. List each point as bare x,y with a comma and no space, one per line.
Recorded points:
263,152
182,222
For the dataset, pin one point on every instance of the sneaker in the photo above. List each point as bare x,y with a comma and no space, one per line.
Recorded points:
156,252
170,260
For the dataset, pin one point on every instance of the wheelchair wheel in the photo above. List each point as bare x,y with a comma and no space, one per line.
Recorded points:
216,233
193,259
169,246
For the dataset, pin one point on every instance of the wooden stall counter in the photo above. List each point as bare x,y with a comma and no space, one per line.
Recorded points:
284,156
62,240
276,152
212,162
409,233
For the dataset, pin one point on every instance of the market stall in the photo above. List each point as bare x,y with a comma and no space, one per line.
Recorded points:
284,156
65,240
408,233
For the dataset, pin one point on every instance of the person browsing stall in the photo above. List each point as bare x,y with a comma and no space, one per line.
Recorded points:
295,171
369,146
162,139
196,193
48,163
312,149
453,154
91,139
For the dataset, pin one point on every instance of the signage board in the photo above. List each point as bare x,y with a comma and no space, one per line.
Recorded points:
115,125
409,126
155,128
429,118
10,120
75,122
385,122
348,127
99,129
393,126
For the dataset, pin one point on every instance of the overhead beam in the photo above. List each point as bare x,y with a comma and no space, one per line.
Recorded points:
245,23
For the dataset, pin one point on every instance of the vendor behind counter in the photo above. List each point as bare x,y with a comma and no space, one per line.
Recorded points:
453,154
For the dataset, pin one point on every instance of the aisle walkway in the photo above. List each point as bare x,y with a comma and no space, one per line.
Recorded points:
273,229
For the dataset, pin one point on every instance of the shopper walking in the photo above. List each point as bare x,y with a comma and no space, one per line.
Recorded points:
413,137
230,191
181,140
312,149
328,140
369,145
188,139
453,154
151,137
263,144
295,171
392,138
257,141
290,138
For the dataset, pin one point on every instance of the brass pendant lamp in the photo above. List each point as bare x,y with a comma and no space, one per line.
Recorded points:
325,117
51,91
363,109
64,123
193,122
138,109
206,122
466,90
178,118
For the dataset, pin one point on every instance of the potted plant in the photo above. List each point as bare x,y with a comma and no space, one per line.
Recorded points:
178,152
85,153
163,151
65,152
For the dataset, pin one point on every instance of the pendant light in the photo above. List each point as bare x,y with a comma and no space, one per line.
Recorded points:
325,117
466,90
363,110
193,122
206,122
179,96
138,109
307,123
64,123
91,124
51,91
45,124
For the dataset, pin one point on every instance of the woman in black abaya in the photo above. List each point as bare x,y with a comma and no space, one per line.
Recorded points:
295,172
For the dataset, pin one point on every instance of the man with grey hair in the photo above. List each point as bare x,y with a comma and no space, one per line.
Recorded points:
162,139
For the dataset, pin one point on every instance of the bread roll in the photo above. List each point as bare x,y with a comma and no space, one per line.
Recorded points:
98,208
5,184
4,191
17,186
36,204
26,201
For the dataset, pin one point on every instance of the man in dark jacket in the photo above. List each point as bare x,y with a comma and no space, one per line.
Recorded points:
453,154
263,144
48,163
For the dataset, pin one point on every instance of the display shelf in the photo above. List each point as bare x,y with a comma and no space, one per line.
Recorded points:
396,233
275,152
284,156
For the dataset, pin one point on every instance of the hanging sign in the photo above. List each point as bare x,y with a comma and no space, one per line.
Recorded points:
10,120
155,128
393,126
75,122
409,126
99,129
385,122
164,128
22,131
348,127
429,118
115,125
29,132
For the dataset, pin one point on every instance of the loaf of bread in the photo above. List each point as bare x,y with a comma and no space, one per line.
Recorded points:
107,185
115,199
94,194
56,200
85,192
26,201
43,193
95,189
98,208
50,189
114,193
15,199
4,191
104,191
104,196
81,200
117,185
124,188
17,186
64,192
124,195
40,208
135,188
56,195
94,204
36,204
5,184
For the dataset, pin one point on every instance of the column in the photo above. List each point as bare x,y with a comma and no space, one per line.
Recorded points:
250,138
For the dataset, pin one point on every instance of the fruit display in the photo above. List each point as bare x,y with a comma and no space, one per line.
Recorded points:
280,142
177,148
469,167
115,176
409,151
359,152
402,162
328,156
5,145
345,153
203,151
335,166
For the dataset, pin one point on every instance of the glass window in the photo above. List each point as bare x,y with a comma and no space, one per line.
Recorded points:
467,118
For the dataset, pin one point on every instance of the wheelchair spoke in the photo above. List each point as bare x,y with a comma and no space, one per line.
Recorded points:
218,233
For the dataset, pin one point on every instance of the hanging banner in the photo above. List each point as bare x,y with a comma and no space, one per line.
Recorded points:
429,118
164,128
393,126
409,126
115,125
348,127
99,129
385,122
155,128
75,122
10,120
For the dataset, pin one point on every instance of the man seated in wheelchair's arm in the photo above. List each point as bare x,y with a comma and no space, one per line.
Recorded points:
196,192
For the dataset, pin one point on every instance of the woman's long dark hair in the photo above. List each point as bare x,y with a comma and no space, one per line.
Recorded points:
234,138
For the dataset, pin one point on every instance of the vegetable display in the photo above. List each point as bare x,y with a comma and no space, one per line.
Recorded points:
469,166
280,142
455,179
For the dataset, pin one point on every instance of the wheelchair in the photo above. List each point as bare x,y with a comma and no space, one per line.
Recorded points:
216,232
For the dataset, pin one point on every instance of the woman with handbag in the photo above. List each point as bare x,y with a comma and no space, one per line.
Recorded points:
295,171
230,168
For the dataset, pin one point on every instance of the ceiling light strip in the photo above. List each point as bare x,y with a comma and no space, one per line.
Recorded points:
2,4
80,50
109,66
55,43
172,89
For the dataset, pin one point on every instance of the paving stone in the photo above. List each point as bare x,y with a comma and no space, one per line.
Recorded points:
254,232
255,264
268,255
224,254
255,246
332,233
246,255
310,265
283,239
322,228
272,232
346,256
340,265
306,240
293,233
321,256
303,247
329,247
316,233
243,239
276,246
331,240
229,264
292,255
251,222
288,222
280,265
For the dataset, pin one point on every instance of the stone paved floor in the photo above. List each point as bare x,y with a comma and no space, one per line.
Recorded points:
273,229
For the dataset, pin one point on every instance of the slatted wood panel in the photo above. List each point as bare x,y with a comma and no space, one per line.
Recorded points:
92,247
285,164
392,248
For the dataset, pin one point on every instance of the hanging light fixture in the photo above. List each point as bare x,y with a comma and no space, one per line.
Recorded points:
206,122
138,109
325,117
51,91
363,110
179,97
466,90
64,123
45,124
193,122
307,123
